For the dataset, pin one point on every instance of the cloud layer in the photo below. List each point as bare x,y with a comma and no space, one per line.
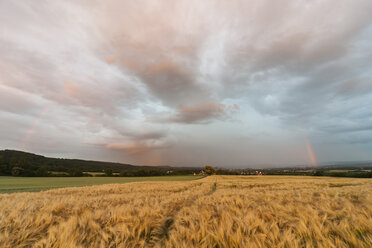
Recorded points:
231,83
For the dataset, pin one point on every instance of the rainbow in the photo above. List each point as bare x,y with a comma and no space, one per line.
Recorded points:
311,153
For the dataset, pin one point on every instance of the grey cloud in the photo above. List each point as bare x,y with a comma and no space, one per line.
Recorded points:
19,102
172,83
354,87
203,113
148,135
349,128
135,149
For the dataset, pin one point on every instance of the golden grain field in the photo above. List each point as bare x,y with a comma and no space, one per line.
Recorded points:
217,211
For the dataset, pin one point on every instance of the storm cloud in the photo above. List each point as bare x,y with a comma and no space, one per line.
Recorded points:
229,83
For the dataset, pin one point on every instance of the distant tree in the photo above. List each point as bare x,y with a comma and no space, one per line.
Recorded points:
209,170
75,172
143,172
108,172
126,173
24,163
13,162
4,167
319,173
17,171
42,171
369,174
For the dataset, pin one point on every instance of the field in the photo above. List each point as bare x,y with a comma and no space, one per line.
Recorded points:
216,211
34,184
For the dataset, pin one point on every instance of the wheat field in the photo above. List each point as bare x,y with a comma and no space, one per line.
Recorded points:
216,211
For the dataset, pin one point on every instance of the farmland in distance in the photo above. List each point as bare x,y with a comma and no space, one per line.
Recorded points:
34,184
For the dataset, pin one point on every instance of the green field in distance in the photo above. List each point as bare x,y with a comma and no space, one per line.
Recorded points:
35,184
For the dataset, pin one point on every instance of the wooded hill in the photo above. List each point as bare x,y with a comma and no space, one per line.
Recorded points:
19,163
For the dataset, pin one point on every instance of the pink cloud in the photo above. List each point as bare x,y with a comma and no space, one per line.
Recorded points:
203,113
136,148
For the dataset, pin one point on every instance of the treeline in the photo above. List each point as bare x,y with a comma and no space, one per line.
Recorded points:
354,173
156,172
364,172
327,173
17,163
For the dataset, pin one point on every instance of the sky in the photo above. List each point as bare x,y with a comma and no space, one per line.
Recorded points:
233,84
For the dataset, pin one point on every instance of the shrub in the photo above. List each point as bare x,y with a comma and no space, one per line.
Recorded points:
209,170
108,172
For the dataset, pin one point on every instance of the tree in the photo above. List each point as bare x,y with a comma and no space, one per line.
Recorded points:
42,171
17,171
319,173
127,173
108,172
75,172
209,170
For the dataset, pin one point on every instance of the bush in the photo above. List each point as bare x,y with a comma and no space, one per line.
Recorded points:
17,171
75,172
108,172
142,173
209,170
319,173
42,172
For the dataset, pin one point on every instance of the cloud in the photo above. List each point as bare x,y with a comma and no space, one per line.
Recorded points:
130,74
137,148
19,102
203,113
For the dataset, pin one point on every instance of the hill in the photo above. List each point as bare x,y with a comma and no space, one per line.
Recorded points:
21,163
